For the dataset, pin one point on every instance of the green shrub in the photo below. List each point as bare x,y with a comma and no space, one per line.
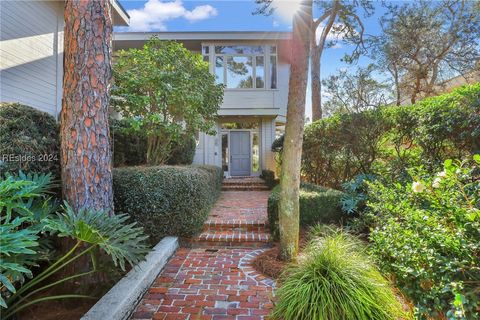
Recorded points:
269,177
183,151
167,200
334,279
129,147
317,205
426,234
31,136
389,140
338,148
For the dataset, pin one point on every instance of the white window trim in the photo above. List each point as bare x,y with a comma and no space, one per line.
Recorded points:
266,61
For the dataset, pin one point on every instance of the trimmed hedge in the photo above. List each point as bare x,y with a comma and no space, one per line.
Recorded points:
167,200
30,135
317,205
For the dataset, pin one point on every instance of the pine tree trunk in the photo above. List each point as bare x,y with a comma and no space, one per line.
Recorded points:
86,157
317,113
289,209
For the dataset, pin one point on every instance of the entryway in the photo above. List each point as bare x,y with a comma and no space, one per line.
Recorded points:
240,153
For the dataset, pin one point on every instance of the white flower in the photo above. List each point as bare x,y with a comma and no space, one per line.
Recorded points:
436,183
442,174
418,187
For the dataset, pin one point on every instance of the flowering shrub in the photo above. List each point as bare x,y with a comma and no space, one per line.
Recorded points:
426,234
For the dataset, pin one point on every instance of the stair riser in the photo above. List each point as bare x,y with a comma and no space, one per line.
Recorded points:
245,228
231,244
244,188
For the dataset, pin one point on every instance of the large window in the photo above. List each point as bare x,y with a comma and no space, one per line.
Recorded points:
244,66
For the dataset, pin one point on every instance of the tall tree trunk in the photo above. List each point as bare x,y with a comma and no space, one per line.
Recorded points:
289,210
317,112
316,56
86,158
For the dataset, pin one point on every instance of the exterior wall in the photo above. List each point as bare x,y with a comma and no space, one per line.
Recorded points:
209,148
259,102
31,53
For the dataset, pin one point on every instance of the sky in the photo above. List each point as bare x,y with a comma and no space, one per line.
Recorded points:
234,15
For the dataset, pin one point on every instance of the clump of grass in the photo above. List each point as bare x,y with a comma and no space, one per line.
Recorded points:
335,280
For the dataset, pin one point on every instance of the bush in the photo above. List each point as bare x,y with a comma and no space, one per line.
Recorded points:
129,147
338,148
335,279
183,152
31,136
269,177
426,234
167,200
389,140
317,205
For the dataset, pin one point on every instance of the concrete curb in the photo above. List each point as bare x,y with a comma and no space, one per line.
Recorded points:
120,301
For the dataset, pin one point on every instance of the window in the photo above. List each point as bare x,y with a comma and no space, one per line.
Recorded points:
255,152
225,151
245,66
239,72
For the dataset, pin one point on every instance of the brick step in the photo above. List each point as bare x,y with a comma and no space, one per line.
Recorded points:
244,188
231,239
246,183
235,225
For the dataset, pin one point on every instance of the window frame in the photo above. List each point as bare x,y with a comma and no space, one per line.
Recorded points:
267,53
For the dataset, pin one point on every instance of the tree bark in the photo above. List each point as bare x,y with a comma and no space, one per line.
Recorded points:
316,56
289,210
86,157
317,112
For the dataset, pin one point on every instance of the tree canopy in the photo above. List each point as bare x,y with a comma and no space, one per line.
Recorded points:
167,92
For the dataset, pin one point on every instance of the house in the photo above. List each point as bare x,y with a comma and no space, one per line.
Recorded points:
253,66
31,52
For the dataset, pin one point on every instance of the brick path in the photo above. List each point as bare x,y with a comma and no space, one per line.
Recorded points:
214,280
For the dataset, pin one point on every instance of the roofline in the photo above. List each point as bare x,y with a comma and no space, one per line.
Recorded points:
121,12
204,35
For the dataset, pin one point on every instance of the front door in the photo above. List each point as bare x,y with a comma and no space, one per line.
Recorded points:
240,153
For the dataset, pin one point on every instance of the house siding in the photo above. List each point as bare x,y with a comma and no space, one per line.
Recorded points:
31,54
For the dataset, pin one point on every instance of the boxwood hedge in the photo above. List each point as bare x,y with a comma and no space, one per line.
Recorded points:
167,200
317,205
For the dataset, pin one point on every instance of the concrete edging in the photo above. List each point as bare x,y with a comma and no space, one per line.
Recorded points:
121,300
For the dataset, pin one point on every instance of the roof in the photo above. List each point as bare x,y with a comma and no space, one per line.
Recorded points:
192,40
119,15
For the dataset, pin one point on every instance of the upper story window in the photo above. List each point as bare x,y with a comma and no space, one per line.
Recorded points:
244,66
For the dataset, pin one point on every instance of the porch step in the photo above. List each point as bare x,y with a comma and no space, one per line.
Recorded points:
235,225
246,187
244,184
231,238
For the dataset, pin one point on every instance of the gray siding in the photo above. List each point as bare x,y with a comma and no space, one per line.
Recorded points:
31,53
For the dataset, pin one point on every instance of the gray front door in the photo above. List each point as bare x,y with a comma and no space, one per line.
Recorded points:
240,153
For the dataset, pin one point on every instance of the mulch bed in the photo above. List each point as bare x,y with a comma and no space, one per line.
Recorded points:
268,263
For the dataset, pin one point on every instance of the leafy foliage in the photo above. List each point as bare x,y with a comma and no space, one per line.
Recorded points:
129,146
183,151
29,135
167,200
335,279
338,148
389,140
269,177
26,220
355,194
427,235
317,205
167,92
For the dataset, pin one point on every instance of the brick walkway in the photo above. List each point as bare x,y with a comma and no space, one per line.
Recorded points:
214,280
